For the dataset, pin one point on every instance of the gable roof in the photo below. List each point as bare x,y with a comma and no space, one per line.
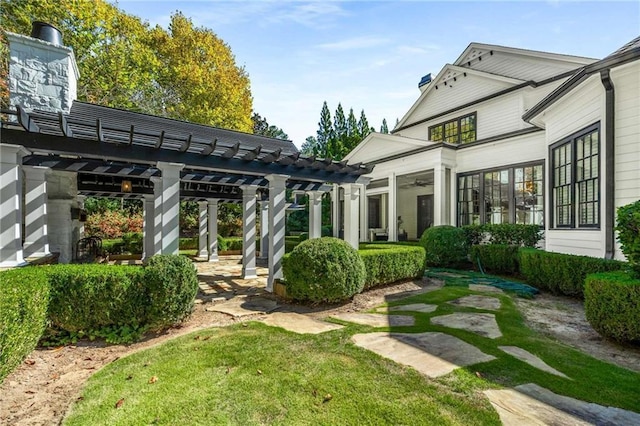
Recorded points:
628,53
391,144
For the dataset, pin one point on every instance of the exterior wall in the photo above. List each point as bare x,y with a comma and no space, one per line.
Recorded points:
41,75
63,231
578,109
408,208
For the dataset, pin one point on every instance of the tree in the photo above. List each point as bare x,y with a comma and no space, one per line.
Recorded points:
261,127
384,128
363,125
310,146
325,132
337,142
200,76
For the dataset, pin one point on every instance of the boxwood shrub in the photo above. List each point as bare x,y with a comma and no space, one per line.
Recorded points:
629,234
385,264
561,273
445,246
323,270
612,305
24,296
495,258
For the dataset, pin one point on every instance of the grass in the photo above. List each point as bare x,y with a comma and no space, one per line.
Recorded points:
255,374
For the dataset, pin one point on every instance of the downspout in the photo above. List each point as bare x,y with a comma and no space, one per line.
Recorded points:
609,132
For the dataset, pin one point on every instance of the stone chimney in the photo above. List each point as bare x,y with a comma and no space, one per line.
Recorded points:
43,74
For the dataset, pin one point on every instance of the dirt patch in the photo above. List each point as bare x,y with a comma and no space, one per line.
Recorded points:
40,391
564,319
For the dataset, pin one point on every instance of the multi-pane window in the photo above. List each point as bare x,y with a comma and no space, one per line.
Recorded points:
576,180
509,195
459,130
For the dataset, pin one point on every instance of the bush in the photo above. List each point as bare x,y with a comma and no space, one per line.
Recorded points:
474,234
324,270
496,258
171,285
190,243
304,236
113,224
24,296
112,246
385,264
445,246
132,242
90,297
612,305
326,231
513,234
629,234
235,243
561,273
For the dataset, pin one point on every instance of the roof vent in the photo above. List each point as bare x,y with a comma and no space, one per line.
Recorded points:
46,32
425,80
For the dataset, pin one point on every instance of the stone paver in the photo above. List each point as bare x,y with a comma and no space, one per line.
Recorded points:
518,409
432,354
299,323
478,302
592,413
485,288
243,306
414,307
376,320
530,359
483,324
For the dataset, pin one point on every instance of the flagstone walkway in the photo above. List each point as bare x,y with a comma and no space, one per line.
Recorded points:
433,354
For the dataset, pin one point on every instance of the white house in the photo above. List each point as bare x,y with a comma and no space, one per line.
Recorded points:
513,135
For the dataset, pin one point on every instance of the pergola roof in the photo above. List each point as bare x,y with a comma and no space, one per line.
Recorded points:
116,144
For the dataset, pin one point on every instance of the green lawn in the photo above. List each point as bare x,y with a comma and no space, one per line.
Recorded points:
255,374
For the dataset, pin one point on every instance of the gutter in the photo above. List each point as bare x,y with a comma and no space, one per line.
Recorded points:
610,178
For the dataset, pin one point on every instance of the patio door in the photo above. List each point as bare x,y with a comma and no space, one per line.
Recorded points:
425,213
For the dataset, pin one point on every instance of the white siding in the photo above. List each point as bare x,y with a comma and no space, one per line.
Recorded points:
502,153
464,90
522,67
578,241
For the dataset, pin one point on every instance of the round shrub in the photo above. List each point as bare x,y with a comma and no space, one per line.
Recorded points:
91,297
445,246
324,270
612,305
24,296
629,234
171,284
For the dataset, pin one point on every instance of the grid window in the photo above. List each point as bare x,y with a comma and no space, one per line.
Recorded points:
459,130
496,195
469,199
529,195
576,180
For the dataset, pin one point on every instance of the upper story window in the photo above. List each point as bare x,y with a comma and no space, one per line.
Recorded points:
576,180
459,130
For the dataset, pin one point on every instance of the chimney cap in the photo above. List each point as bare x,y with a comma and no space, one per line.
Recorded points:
46,32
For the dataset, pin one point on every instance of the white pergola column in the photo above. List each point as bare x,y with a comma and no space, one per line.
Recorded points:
36,237
212,224
315,214
335,210
155,221
203,229
452,197
170,206
81,199
392,218
59,218
10,205
148,226
277,198
249,231
264,230
440,196
364,219
351,214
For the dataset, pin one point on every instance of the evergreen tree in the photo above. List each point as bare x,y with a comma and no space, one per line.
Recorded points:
397,122
363,126
309,147
384,128
337,145
325,132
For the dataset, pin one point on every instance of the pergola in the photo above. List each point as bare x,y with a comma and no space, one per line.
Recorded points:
118,153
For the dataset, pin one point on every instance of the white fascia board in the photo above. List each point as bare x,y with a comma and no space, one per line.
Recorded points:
579,60
404,144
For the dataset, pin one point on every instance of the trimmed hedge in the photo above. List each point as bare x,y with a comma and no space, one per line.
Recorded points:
629,234
511,234
387,264
24,296
496,258
323,270
561,273
445,246
612,305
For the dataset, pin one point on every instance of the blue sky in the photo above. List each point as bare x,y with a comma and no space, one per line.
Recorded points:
371,54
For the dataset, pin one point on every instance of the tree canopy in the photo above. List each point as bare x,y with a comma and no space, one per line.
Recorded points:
184,72
262,127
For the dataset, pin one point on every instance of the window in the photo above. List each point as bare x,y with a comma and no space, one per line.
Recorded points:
459,130
576,180
508,195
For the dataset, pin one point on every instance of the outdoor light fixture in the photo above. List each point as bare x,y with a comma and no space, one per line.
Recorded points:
126,186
